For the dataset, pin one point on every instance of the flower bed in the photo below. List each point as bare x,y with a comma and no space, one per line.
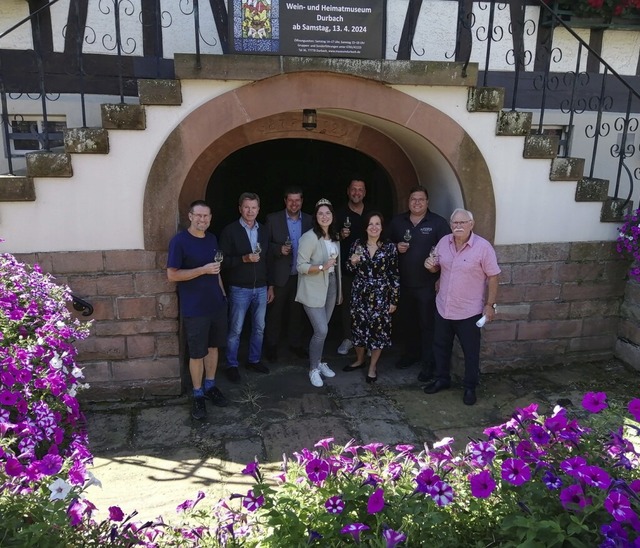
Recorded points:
628,243
563,479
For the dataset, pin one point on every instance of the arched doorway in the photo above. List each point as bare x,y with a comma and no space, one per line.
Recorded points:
271,109
321,169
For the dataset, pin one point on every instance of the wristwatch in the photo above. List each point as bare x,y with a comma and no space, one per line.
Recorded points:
320,267
494,306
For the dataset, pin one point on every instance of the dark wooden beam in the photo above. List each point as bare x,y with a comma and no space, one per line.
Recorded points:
152,28
76,23
221,18
41,27
409,29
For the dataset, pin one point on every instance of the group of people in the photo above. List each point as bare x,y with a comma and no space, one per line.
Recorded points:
297,268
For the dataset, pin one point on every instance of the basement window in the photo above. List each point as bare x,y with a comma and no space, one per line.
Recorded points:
28,133
558,131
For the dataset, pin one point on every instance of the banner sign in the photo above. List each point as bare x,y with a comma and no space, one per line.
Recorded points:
325,28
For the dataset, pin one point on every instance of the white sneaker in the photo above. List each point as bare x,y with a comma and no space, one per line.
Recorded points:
325,370
345,346
315,378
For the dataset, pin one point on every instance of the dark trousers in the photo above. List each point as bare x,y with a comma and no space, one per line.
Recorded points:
416,309
285,308
345,307
469,336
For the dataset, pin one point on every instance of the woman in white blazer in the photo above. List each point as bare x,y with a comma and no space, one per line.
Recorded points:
319,283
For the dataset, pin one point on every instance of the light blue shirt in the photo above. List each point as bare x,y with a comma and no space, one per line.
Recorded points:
252,233
294,226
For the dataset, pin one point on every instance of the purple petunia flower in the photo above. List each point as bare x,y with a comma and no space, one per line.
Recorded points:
426,479
115,513
8,398
317,470
595,476
12,467
594,402
551,480
373,448
334,505
572,497
515,471
251,502
393,538
354,529
482,484
189,504
538,434
442,493
482,453
618,506
324,443
313,536
634,408
50,465
252,469
375,503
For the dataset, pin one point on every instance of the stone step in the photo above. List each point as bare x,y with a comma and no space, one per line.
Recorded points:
590,189
485,99
514,123
123,116
86,140
541,146
49,164
614,210
566,169
17,189
160,92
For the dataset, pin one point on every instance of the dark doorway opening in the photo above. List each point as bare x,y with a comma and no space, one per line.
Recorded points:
321,169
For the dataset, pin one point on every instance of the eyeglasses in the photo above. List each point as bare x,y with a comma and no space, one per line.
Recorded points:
457,223
418,200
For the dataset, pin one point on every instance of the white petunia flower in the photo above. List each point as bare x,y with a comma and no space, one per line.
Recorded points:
59,489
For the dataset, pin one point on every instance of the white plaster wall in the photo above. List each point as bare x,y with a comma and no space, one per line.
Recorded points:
11,13
101,206
529,207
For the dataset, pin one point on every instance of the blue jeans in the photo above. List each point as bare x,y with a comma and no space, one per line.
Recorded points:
242,300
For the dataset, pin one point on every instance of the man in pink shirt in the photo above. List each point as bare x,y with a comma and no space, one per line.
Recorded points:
468,290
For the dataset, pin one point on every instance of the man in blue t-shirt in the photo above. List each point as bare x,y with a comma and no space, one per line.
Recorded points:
193,265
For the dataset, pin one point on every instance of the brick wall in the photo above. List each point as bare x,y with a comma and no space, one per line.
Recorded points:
558,303
628,342
133,349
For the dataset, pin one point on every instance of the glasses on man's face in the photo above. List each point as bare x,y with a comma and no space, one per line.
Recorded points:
459,223
418,200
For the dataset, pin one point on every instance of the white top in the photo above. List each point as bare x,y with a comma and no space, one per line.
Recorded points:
332,251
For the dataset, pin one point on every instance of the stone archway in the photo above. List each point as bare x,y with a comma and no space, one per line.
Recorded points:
194,148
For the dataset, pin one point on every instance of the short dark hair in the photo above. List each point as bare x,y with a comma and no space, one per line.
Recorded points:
419,188
356,177
292,190
198,203
248,196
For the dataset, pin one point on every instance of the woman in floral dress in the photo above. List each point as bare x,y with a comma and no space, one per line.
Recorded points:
374,294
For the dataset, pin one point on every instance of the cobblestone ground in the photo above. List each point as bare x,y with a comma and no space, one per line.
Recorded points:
150,456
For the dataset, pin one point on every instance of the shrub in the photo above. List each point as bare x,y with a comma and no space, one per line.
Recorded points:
628,243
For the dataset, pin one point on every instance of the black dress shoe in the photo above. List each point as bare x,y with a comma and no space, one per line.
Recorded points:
232,374
353,368
425,375
371,379
299,351
436,386
469,397
259,367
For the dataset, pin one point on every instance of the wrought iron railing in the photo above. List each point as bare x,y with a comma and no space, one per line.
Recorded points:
81,305
108,59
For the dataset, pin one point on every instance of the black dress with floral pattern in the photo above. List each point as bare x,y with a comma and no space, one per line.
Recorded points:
376,286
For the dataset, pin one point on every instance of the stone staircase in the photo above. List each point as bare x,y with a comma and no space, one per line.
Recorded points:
19,188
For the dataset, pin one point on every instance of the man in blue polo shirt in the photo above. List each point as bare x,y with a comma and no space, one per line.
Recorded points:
203,303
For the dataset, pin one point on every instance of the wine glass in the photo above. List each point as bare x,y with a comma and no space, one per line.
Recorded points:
347,222
287,242
407,236
219,256
359,251
257,249
433,255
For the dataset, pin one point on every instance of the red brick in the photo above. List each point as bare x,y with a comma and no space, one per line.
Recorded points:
599,326
554,351
161,259
546,292
141,346
26,258
504,278
96,371
549,252
499,331
75,262
83,286
147,370
168,345
616,270
134,308
533,273
119,284
550,311
504,349
512,311
632,292
103,308
512,253
592,290
552,329
101,348
580,272
168,305
129,260
602,342
587,309
511,293
124,327
151,283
